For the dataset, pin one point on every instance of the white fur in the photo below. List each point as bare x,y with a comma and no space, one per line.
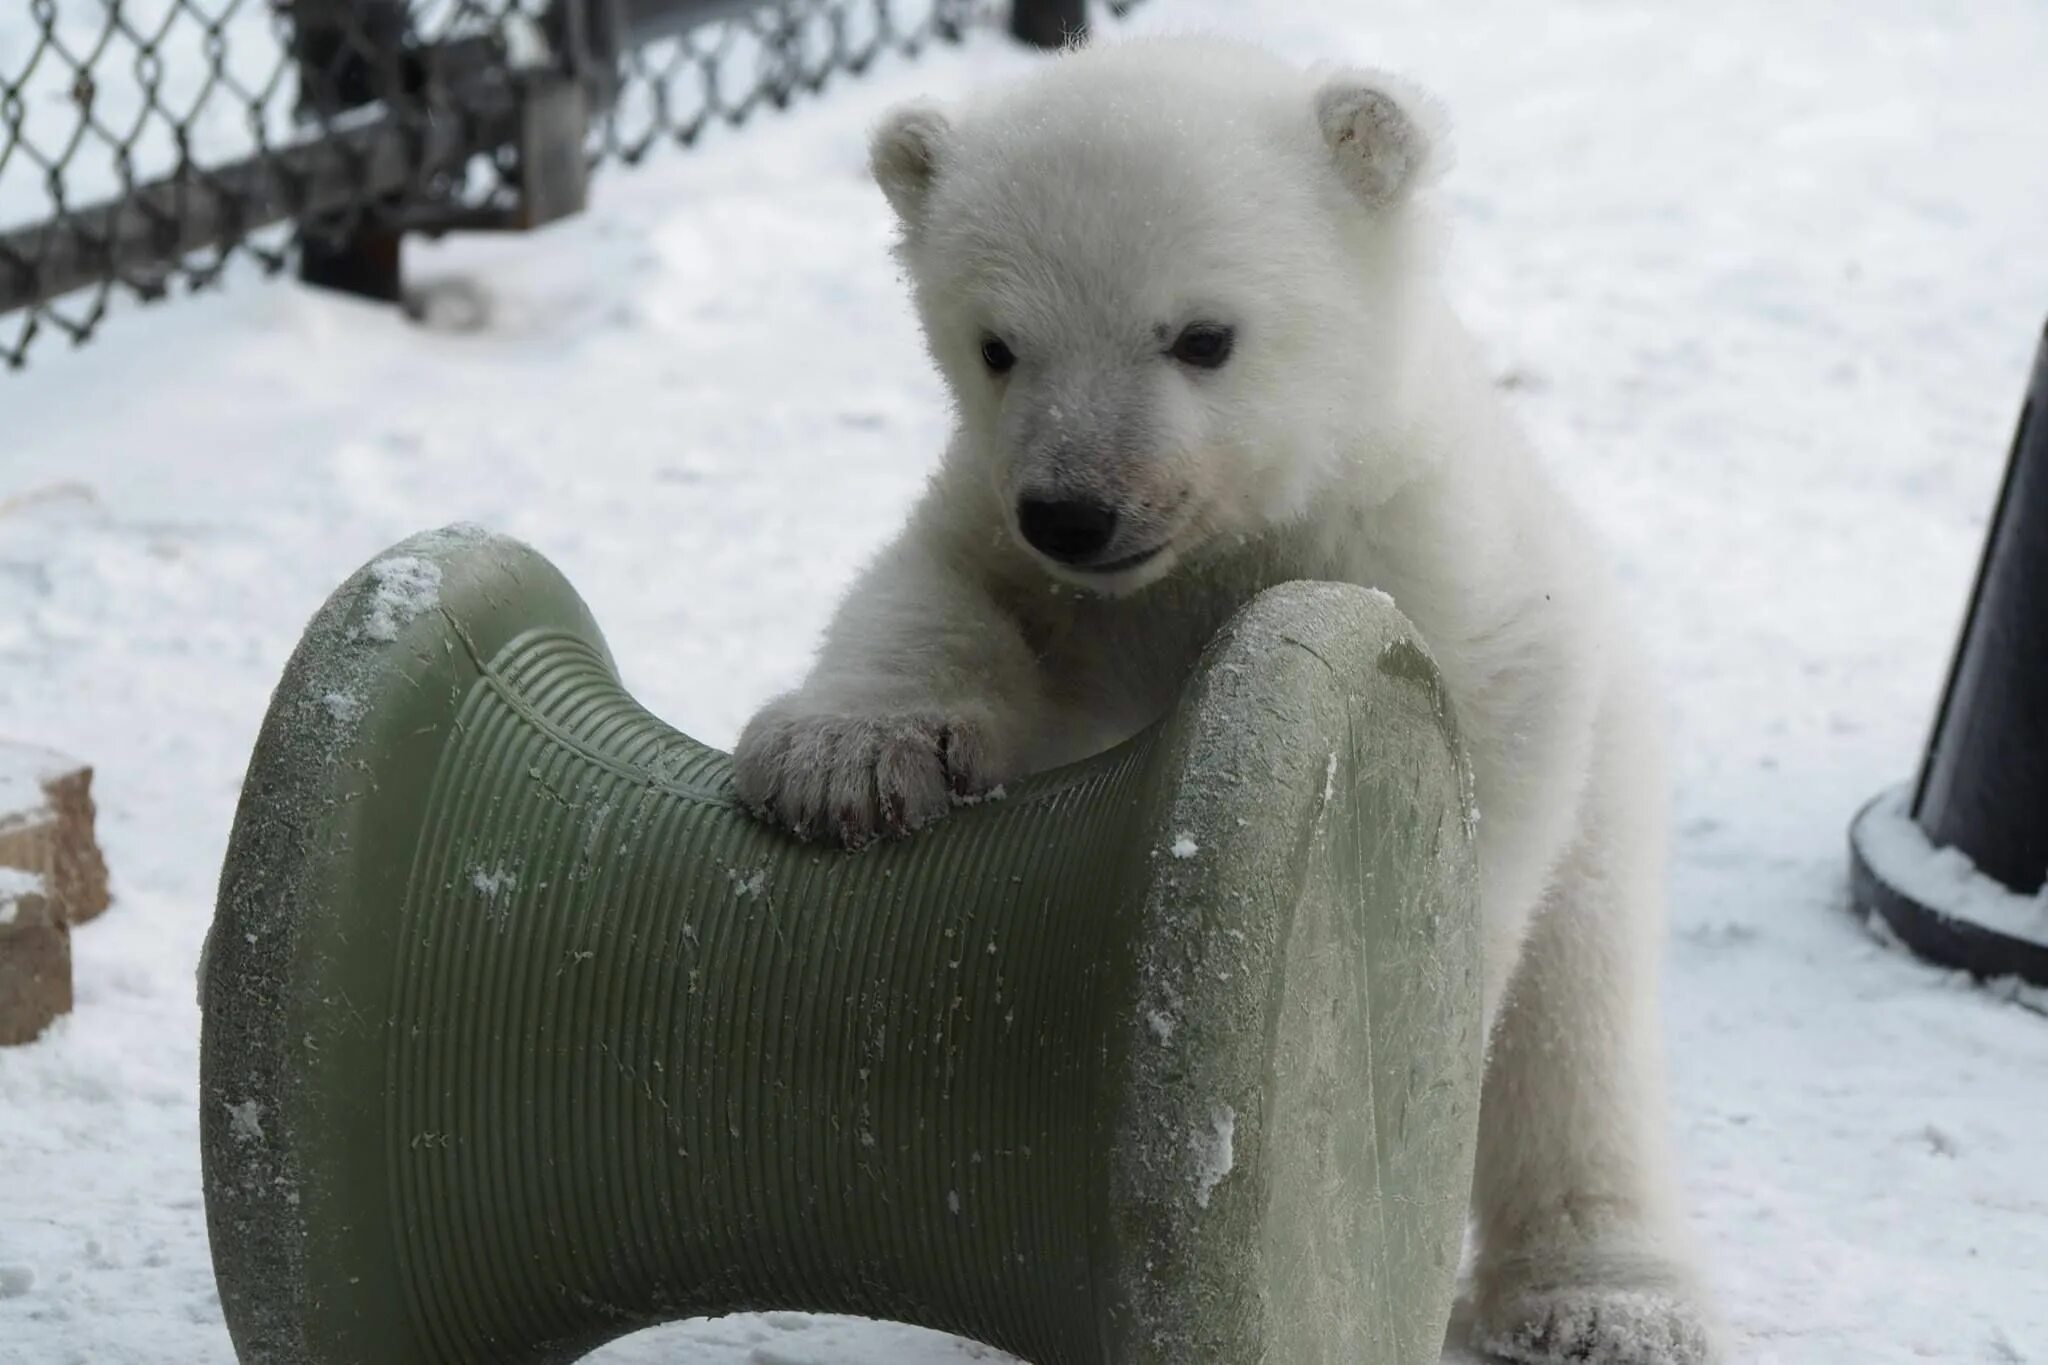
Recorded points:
1084,216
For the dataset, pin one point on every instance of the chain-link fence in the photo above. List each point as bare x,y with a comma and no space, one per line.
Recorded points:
149,145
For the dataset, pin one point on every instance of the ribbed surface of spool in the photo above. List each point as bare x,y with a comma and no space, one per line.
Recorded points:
643,1059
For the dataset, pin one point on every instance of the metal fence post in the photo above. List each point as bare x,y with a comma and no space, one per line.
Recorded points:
1049,23
350,53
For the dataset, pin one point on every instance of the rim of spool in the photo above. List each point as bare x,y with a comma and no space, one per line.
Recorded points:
310,798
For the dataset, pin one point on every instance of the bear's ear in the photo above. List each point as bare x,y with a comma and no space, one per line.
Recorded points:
1380,133
905,154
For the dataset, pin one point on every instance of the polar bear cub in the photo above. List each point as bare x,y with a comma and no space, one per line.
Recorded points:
1182,295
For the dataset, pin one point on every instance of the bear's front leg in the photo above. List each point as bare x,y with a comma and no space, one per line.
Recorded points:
923,695
1580,1261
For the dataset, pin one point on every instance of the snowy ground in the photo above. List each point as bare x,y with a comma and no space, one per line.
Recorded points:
1765,278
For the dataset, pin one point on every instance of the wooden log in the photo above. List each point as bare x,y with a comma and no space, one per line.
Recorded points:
46,827
51,877
35,958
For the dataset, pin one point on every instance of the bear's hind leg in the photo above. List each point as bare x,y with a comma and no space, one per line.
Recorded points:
1578,1256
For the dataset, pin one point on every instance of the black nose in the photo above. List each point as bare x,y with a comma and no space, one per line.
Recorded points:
1068,530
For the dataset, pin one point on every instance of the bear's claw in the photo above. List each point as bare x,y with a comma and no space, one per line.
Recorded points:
1624,1322
850,778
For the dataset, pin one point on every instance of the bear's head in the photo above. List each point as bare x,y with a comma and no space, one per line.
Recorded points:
1170,285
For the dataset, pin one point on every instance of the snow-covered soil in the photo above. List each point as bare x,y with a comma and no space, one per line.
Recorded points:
1764,277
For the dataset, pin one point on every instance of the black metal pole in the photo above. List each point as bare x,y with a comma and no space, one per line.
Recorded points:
1983,787
1049,23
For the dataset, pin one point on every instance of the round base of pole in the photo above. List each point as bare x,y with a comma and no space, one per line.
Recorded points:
1932,910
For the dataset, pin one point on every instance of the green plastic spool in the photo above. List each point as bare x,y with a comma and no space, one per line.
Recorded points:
520,1035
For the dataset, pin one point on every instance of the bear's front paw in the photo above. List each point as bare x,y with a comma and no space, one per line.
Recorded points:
1597,1311
849,777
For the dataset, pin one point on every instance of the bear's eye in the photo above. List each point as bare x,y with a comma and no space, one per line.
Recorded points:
997,356
1205,345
